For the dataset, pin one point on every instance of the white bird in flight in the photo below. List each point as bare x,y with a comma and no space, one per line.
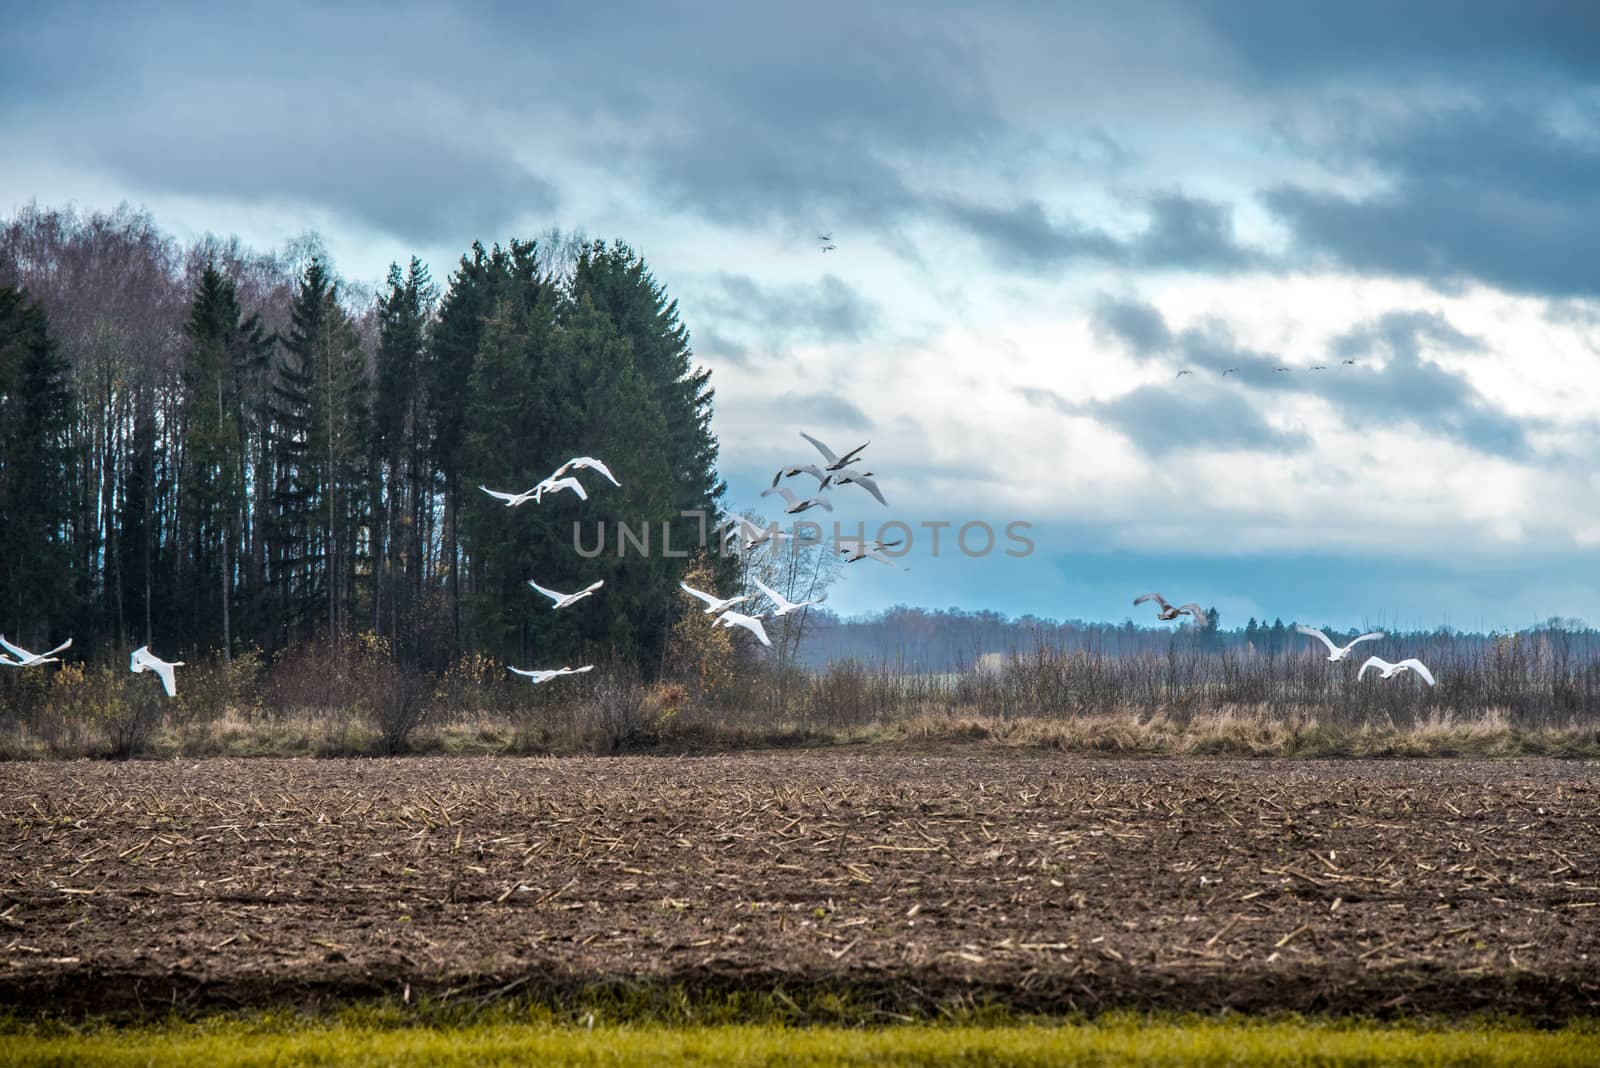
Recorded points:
27,659
794,505
864,479
854,550
546,676
781,604
144,660
513,499
1391,670
552,484
555,484
578,463
802,469
1169,612
836,462
752,537
563,600
1336,653
713,602
749,623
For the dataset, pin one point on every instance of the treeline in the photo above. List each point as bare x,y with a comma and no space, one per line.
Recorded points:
930,640
210,449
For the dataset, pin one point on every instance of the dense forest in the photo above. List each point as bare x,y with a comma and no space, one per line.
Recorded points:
211,449
911,639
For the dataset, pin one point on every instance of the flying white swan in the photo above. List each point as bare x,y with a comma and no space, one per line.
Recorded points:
27,659
1169,612
713,602
578,463
864,479
749,623
546,676
553,484
513,499
752,537
1391,670
782,605
144,660
853,550
794,505
1336,653
563,600
802,469
836,462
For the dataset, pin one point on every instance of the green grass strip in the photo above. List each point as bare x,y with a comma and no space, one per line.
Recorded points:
1107,1042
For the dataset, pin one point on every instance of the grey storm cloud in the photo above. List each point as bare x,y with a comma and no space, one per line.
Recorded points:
1180,232
1138,325
1490,194
1163,419
450,124
760,112
1391,380
827,310
1410,388
1282,44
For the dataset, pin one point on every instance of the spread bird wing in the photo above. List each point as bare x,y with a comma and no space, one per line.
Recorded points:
852,456
552,594
777,598
592,464
706,597
1313,632
60,648
509,498
1369,636
1156,597
1197,612
827,453
783,491
1374,661
870,486
1419,667
556,485
749,623
15,650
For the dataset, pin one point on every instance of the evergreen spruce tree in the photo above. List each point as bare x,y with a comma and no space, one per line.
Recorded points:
673,430
223,348
401,500
474,296
515,414
323,420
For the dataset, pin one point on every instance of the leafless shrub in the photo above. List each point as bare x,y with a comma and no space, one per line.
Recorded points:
400,699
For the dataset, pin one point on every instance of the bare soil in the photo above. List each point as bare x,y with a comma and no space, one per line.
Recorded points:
911,879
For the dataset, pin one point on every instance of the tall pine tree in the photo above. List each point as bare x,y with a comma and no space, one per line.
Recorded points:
224,347
402,491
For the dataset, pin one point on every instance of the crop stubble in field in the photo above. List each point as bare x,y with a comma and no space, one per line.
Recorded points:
910,879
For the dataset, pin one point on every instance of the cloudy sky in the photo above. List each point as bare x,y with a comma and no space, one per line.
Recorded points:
1042,212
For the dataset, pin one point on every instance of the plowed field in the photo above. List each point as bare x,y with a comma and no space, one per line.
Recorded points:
910,879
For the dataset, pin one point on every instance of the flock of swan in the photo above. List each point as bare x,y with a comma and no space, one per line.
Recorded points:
836,470
142,659
1336,653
